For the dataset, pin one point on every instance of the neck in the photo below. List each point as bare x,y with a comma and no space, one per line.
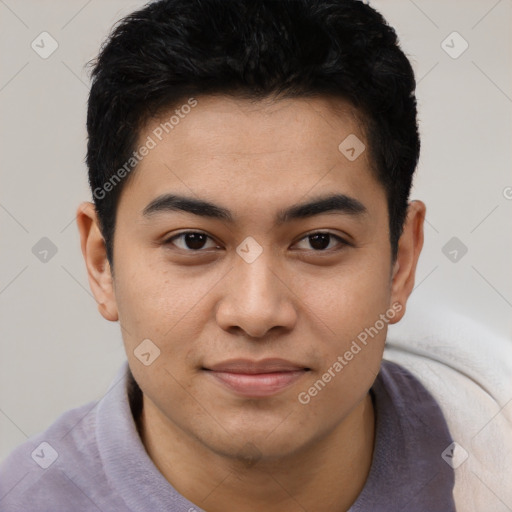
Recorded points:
334,467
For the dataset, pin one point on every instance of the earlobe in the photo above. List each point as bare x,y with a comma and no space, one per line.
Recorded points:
107,313
98,268
409,249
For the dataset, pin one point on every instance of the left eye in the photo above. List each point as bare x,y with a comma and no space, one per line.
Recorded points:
195,241
321,241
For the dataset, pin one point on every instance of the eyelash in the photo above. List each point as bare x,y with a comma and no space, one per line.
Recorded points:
342,242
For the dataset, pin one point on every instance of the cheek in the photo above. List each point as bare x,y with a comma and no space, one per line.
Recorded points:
352,307
170,308
151,299
350,299
355,307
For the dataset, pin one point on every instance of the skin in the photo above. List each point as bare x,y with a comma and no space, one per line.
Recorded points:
221,450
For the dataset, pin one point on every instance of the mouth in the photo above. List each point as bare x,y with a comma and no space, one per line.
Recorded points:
256,379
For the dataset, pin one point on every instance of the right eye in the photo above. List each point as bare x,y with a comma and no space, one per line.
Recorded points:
190,241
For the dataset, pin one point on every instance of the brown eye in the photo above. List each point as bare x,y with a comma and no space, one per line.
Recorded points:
321,241
190,241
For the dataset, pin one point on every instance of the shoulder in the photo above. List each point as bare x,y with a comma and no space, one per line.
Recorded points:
35,472
59,469
467,368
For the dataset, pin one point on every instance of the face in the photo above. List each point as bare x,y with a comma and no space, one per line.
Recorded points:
270,319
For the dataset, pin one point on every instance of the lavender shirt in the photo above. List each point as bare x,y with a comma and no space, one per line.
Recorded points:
92,458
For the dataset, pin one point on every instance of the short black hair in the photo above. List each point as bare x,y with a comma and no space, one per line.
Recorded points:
170,50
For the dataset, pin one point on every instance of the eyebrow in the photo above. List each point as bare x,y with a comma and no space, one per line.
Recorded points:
335,203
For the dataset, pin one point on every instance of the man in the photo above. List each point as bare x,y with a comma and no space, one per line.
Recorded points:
251,231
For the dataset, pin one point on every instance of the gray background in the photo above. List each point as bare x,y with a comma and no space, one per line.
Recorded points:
57,352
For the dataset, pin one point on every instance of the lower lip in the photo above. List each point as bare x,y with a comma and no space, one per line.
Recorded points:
257,385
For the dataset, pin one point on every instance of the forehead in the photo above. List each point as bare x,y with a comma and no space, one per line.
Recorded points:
245,152
225,125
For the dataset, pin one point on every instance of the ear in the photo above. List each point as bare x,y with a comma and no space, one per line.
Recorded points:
95,256
409,249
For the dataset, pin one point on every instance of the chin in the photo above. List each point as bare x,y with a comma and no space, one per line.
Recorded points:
250,446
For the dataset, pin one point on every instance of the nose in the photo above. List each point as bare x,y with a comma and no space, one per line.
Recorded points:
256,299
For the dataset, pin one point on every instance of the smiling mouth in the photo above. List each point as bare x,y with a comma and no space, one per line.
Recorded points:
256,379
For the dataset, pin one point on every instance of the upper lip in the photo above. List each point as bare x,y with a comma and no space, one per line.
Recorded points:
247,366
